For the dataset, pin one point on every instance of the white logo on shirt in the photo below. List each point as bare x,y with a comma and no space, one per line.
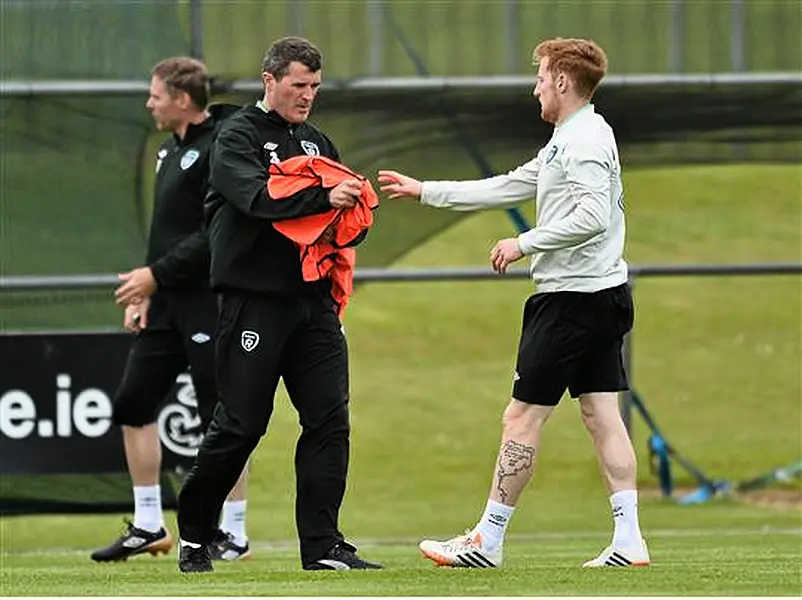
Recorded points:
160,158
189,158
310,148
200,338
271,147
249,340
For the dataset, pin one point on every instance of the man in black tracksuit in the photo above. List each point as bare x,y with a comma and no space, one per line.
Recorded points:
170,306
272,324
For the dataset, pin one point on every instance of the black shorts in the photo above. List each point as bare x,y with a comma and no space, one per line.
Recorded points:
572,340
180,335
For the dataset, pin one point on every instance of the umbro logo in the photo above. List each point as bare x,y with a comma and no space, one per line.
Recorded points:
134,542
270,146
200,338
249,340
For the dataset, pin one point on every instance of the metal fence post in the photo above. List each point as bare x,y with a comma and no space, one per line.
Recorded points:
626,397
511,26
676,36
375,20
737,56
737,42
297,17
196,29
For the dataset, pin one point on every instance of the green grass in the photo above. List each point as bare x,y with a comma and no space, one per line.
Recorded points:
717,360
749,563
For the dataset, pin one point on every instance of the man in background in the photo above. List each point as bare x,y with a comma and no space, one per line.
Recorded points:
172,312
574,325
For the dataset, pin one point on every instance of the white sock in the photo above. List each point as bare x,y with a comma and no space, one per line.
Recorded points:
625,517
233,520
148,507
494,523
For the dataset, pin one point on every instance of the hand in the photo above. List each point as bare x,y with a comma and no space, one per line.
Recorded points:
345,194
398,185
138,285
136,316
505,251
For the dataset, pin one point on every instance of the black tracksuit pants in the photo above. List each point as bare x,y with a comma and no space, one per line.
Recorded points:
259,340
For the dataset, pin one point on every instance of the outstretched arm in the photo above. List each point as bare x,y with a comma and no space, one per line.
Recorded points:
493,192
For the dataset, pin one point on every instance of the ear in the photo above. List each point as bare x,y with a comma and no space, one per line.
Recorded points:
183,100
268,80
562,82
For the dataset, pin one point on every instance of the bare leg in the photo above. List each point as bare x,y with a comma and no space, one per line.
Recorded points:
483,546
618,465
143,453
520,440
613,447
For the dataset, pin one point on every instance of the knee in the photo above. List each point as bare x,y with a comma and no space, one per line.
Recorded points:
521,419
333,422
223,423
588,417
206,398
601,416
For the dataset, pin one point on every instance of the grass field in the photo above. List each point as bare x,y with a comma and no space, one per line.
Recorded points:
717,360
717,563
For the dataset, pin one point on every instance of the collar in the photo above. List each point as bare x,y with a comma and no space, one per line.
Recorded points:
194,131
587,108
274,116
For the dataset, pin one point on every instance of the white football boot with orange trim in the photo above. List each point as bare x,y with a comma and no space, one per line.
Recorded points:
621,557
462,551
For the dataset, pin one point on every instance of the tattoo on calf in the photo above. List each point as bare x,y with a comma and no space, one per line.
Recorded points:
513,460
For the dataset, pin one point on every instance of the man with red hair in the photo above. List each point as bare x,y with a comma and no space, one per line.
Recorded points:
574,325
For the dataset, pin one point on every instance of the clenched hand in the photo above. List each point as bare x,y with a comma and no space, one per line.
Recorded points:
345,194
136,316
505,251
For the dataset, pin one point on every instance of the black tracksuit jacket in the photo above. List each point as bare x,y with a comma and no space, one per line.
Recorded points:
247,253
178,248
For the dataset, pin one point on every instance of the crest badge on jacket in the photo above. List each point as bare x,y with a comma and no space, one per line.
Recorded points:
189,158
310,148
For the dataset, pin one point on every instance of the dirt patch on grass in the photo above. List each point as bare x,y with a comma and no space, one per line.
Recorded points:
773,498
781,498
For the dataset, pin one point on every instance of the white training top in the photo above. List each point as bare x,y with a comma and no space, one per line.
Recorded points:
578,242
